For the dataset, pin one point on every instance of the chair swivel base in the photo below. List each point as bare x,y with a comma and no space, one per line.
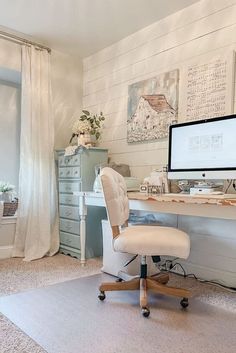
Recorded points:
156,284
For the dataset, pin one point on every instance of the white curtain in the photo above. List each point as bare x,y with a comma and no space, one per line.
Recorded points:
37,232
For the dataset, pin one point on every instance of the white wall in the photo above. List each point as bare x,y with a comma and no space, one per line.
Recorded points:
66,86
10,55
201,29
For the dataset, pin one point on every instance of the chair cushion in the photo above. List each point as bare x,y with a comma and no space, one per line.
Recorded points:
153,240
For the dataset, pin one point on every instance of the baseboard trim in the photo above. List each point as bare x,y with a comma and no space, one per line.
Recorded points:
9,220
6,252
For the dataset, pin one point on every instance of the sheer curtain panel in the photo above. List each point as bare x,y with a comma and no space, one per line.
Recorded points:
37,232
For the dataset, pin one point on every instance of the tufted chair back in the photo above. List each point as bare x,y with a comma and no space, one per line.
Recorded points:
115,194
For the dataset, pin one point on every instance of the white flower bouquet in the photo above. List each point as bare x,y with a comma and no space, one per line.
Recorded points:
88,124
6,187
81,127
6,191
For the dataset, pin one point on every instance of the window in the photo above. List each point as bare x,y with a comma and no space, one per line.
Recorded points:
9,131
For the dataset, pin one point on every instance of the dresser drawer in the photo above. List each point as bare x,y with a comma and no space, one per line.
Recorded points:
74,160
66,199
69,172
69,186
70,240
64,161
69,212
65,172
76,172
69,226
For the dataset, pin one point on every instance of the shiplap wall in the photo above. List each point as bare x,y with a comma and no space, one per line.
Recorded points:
206,28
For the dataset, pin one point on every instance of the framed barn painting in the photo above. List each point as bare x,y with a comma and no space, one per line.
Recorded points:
152,107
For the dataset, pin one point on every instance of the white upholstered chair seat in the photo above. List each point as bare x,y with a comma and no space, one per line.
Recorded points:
153,240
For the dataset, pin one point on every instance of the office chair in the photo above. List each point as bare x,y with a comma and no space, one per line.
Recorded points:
141,240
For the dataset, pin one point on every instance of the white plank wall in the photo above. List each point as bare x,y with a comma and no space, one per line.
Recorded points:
206,28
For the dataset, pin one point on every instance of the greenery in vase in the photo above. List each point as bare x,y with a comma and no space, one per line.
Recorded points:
6,187
95,122
88,123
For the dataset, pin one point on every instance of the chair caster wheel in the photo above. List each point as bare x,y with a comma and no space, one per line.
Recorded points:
145,312
119,280
101,296
184,303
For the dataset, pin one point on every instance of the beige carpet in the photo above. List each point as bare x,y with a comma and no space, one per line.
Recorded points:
17,276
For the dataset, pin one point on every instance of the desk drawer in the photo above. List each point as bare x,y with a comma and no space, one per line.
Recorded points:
69,226
69,212
69,186
70,240
67,199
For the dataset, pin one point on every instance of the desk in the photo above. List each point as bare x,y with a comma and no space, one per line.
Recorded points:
215,206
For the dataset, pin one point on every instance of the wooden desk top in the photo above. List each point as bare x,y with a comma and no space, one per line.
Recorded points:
213,206
220,200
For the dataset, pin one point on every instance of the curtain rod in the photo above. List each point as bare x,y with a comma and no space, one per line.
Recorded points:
19,40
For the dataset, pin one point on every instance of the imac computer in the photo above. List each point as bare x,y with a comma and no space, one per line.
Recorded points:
203,149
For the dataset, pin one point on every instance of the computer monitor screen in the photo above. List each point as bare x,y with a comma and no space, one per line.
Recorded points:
204,149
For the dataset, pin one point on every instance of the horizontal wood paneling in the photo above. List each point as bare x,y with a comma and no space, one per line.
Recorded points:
171,23
208,25
209,226
208,273
216,246
203,30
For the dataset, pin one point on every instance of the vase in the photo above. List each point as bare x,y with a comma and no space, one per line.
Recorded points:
86,139
6,196
81,140
93,140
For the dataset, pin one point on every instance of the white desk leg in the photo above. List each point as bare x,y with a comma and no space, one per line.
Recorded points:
83,214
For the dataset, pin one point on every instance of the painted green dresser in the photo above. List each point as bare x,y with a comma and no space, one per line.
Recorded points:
77,173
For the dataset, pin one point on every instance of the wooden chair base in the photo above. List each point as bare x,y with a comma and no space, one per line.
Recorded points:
156,284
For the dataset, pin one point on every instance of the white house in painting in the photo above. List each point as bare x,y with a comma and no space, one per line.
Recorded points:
151,119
